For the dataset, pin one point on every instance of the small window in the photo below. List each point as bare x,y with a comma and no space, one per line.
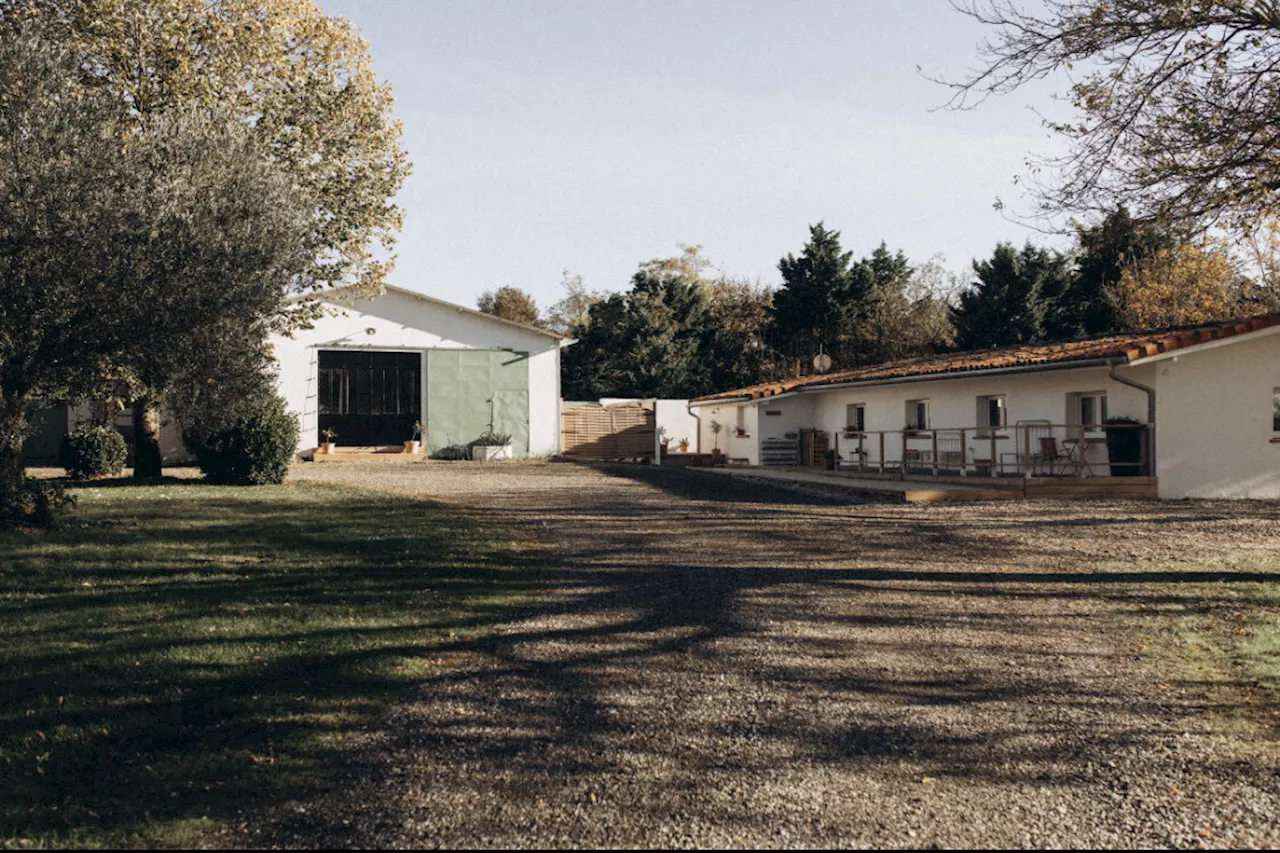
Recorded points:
855,417
992,412
917,414
1275,410
741,424
1087,409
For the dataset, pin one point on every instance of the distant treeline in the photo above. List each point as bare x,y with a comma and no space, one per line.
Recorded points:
681,331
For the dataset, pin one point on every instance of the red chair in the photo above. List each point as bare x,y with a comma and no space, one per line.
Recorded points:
1051,453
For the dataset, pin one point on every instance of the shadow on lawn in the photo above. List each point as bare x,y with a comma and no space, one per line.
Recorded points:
179,651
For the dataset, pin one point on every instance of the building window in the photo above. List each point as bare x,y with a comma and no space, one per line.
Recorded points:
1275,410
855,417
740,427
1087,409
917,414
992,412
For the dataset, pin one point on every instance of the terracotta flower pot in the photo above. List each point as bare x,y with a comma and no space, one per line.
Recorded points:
412,447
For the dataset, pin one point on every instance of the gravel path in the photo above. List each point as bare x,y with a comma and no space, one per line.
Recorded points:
718,664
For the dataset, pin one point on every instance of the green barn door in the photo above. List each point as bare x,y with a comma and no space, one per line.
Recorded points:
469,391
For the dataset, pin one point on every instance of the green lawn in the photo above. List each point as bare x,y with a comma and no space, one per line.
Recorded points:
179,651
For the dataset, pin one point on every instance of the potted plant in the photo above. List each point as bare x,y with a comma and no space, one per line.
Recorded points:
414,445
491,446
716,455
684,445
663,439
326,446
1125,439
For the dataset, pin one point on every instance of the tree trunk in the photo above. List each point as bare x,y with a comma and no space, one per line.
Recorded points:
13,469
146,439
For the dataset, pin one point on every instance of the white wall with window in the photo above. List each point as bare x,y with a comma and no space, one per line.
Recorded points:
855,418
975,403
992,412
1087,409
917,414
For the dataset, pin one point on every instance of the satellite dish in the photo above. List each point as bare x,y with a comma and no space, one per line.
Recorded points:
822,362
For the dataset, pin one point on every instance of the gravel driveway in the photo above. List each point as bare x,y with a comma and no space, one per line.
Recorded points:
718,664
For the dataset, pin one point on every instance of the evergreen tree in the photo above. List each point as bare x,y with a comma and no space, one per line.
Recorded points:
1008,303
644,343
877,304
1105,250
735,353
811,309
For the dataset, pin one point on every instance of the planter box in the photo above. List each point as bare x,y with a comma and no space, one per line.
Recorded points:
490,452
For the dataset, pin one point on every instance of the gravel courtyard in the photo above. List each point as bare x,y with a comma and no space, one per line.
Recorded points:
721,664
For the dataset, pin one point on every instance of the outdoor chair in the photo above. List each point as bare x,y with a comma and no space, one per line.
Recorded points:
1051,454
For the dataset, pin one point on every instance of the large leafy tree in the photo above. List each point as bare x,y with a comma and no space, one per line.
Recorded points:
1178,286
509,303
1008,303
571,313
1176,102
116,241
300,81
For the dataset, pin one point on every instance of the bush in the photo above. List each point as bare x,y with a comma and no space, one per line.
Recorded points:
453,453
1124,447
39,503
256,450
93,451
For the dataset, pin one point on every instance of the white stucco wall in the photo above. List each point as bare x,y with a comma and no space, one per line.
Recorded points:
401,322
734,446
953,404
1214,412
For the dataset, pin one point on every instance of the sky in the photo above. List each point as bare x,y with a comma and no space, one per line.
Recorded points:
592,136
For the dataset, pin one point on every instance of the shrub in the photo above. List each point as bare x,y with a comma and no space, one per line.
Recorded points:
253,451
93,451
452,453
489,438
39,503
1124,446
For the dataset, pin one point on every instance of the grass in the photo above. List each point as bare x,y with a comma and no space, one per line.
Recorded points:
1227,640
179,651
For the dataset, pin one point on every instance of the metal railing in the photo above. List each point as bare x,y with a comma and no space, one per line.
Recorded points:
1026,449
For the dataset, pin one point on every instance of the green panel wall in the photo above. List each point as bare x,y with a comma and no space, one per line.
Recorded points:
468,389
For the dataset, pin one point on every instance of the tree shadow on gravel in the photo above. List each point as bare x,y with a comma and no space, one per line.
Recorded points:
710,652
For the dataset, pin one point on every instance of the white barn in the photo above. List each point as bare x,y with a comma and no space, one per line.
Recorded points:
371,368
1209,397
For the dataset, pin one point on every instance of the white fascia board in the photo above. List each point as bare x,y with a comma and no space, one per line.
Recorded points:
1207,345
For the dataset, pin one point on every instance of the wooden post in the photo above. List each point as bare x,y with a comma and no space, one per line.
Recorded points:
882,468
993,452
1026,452
835,443
935,453
861,454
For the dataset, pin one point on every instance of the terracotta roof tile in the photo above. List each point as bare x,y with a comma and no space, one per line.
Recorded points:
1130,346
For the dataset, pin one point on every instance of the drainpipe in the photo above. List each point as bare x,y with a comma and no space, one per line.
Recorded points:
697,438
1151,405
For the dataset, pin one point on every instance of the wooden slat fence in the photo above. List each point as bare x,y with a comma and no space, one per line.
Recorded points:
614,432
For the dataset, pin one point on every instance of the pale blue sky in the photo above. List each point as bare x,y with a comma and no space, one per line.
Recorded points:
592,135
